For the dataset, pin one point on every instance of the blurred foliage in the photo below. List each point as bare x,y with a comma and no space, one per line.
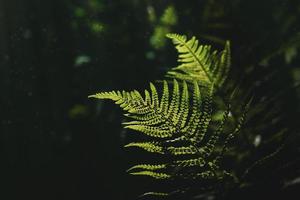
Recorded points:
78,111
162,27
86,16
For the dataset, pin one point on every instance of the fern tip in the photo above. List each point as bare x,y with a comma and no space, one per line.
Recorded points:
92,96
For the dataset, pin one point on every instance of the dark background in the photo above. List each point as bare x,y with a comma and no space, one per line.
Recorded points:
55,143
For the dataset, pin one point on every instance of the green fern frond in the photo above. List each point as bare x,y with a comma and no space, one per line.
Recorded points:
152,147
194,120
172,117
154,117
199,62
159,132
163,109
147,167
115,96
205,118
200,162
182,150
152,174
178,123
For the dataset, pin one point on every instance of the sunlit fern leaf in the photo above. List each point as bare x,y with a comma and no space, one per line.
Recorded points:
200,162
205,118
164,99
199,62
174,104
152,174
147,167
161,131
191,127
182,150
152,147
178,125
153,120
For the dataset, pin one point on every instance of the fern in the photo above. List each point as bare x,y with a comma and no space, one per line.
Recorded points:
199,62
177,124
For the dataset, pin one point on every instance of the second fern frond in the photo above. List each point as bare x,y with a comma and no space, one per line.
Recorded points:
199,62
